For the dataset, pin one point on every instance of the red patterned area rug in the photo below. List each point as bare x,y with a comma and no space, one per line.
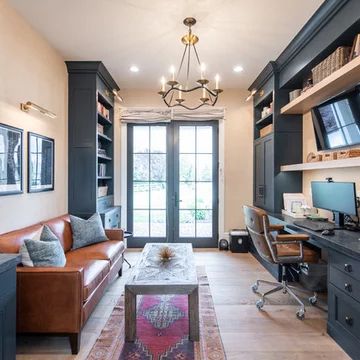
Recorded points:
162,330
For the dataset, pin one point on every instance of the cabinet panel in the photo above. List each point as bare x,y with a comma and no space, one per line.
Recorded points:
269,173
259,174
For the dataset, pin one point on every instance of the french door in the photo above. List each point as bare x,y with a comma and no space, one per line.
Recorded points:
173,183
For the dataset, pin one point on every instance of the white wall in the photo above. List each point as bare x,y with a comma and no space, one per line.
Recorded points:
238,149
31,70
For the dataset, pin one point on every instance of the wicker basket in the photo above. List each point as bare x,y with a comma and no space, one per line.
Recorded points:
349,153
333,62
313,157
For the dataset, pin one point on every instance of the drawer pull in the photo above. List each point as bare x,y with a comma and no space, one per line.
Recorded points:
348,287
348,268
349,320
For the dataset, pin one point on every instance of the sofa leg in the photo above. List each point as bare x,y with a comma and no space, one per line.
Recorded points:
120,272
75,342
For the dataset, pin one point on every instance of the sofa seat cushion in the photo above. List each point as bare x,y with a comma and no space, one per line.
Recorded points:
109,250
94,273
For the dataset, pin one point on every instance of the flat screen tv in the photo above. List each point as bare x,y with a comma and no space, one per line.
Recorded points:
337,121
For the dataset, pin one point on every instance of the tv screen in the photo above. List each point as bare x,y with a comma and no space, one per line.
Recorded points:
337,121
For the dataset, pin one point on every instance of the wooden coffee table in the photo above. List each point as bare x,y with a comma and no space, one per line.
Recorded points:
150,276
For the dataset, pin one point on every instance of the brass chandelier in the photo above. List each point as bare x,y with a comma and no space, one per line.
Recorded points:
172,91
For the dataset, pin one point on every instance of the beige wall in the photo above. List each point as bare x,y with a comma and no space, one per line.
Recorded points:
30,70
309,145
238,158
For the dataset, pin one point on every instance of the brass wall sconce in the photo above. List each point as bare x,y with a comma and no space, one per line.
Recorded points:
30,105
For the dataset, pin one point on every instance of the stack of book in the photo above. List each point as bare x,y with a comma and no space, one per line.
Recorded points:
102,170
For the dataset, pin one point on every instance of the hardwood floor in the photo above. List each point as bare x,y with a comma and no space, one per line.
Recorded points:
247,333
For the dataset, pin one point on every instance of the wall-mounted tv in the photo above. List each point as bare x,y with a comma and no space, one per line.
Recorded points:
337,121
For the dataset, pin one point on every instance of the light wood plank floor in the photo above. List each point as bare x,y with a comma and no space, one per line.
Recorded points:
274,333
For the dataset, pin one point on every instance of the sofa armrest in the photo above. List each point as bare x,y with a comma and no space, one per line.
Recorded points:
115,234
49,299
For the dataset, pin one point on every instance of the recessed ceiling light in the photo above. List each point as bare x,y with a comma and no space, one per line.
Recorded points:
134,69
238,68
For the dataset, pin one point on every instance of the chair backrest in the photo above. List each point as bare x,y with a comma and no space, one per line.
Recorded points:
257,223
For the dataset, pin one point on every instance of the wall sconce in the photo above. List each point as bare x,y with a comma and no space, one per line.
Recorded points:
29,105
253,92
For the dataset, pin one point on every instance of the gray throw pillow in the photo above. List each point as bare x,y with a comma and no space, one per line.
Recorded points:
87,232
47,251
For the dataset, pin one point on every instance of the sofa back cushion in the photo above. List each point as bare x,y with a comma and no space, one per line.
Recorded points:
60,226
12,241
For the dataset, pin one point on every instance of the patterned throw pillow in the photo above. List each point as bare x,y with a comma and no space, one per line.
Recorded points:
87,232
43,252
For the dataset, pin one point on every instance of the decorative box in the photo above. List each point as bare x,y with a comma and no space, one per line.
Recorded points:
102,191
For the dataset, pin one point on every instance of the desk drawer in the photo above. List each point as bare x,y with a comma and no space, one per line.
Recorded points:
344,282
344,311
345,264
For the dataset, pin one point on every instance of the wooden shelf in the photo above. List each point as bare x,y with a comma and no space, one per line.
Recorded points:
103,120
104,157
104,137
331,164
338,81
266,120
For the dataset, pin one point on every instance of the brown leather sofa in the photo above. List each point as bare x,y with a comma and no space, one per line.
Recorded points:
60,300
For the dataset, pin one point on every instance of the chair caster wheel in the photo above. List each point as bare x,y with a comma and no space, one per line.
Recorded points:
254,288
259,304
313,300
300,314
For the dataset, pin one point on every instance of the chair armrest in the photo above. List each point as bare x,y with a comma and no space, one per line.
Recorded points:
49,299
276,227
292,237
115,234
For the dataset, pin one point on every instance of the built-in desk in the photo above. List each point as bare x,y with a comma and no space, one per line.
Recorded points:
343,281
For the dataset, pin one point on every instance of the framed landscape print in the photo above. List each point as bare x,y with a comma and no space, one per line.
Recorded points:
11,154
41,151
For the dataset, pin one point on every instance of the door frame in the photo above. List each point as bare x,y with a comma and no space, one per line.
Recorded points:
172,219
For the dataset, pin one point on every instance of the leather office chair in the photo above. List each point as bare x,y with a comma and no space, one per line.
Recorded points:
275,248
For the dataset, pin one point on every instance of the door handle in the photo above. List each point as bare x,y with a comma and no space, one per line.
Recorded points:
176,199
261,190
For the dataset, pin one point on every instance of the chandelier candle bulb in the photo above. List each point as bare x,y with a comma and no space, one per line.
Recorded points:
163,84
202,71
217,79
204,93
172,70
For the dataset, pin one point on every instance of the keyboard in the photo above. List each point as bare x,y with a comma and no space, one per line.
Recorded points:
315,225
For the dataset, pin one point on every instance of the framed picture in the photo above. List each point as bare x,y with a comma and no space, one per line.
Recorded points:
41,155
11,163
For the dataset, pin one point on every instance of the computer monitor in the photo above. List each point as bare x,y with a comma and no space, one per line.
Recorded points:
339,197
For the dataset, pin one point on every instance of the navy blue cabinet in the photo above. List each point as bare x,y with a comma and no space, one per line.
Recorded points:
8,306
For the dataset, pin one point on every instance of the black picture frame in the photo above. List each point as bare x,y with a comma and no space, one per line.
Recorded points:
41,163
14,176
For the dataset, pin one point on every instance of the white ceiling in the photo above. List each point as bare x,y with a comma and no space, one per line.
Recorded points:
147,33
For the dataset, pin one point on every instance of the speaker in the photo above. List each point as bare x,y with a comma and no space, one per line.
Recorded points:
223,244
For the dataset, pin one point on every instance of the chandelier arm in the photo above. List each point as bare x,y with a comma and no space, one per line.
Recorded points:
189,108
182,60
197,55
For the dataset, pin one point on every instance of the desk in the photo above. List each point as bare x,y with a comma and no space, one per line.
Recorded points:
343,281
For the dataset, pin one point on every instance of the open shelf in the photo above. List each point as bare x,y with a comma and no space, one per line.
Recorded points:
103,120
331,164
104,137
104,157
266,120
338,81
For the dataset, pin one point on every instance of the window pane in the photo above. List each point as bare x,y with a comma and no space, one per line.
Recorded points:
158,195
141,139
141,195
187,223
187,167
141,223
158,139
204,223
187,195
204,195
187,139
203,167
158,223
141,167
158,167
204,139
